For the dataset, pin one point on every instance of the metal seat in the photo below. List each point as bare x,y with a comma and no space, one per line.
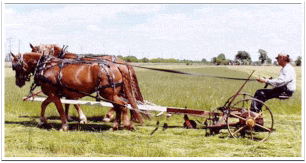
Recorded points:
283,97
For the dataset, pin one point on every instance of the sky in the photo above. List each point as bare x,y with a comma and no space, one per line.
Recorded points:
180,31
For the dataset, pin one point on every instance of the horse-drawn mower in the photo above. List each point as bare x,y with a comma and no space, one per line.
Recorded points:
63,68
235,115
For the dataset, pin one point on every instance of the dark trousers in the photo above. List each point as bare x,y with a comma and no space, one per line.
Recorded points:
266,94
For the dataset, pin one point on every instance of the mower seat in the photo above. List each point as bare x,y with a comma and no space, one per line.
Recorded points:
283,97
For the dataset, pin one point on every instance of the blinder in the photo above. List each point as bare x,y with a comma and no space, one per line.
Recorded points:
21,71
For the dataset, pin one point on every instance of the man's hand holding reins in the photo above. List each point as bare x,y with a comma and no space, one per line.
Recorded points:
262,80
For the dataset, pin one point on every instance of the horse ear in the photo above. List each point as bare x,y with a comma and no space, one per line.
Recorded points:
15,57
31,46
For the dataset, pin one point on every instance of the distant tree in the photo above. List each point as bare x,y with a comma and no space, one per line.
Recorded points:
226,62
269,61
219,61
213,60
156,60
188,63
144,60
230,62
120,56
243,57
130,59
263,56
204,60
171,60
221,56
298,61
257,63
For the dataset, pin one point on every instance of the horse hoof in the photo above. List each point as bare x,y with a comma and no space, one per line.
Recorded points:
64,128
83,121
131,127
69,119
41,124
115,128
106,119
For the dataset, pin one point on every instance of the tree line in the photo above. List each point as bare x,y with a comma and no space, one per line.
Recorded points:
241,58
132,58
244,58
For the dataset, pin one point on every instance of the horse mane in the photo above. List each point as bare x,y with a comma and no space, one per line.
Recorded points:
43,47
55,46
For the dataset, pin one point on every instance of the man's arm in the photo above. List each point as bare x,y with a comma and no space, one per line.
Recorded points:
283,79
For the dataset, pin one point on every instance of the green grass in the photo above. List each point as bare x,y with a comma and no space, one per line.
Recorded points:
24,139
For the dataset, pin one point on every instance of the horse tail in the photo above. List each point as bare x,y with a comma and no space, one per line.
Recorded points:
136,89
135,85
128,93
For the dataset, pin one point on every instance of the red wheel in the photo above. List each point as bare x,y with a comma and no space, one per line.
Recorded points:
242,122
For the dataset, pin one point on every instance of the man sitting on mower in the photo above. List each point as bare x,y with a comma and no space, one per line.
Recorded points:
283,87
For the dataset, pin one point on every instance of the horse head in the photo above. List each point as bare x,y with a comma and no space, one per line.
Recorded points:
35,48
24,66
54,50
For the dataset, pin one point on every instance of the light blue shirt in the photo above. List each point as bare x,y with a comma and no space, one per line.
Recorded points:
286,77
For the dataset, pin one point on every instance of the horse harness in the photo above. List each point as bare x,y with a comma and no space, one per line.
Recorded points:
63,52
47,62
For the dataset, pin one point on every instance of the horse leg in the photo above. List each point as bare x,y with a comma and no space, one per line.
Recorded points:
83,119
127,124
109,115
44,105
67,112
117,122
59,106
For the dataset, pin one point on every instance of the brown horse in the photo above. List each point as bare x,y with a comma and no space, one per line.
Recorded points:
50,49
56,51
74,79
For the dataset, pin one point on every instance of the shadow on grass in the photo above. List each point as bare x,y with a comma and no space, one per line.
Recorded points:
57,125
74,119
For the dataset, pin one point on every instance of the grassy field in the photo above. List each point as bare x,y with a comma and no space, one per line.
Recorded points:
24,139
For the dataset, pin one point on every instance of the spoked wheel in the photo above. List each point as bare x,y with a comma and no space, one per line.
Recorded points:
242,122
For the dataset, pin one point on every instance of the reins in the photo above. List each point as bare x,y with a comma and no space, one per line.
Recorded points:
176,71
188,73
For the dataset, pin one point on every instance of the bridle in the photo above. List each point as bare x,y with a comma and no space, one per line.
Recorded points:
19,63
23,72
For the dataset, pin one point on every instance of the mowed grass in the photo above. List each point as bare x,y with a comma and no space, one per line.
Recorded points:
96,139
